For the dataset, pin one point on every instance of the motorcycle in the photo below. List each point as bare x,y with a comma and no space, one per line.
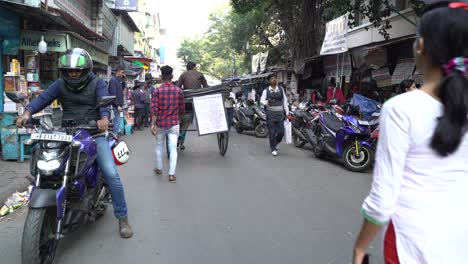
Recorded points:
69,190
303,125
250,117
344,138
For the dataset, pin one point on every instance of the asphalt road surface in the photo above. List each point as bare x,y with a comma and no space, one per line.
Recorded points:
245,208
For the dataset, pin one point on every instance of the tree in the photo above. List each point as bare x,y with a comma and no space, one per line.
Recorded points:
191,50
302,21
215,50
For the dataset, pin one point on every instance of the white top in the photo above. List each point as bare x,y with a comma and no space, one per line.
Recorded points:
264,101
424,195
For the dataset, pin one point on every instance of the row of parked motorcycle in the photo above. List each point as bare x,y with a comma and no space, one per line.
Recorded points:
333,130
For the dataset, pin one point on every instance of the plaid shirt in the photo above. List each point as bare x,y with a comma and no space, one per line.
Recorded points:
166,104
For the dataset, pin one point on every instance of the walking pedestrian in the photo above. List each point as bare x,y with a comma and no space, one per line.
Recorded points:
420,177
229,104
138,104
147,90
276,104
116,89
191,79
167,108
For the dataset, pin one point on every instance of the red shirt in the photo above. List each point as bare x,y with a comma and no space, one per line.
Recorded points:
166,104
335,93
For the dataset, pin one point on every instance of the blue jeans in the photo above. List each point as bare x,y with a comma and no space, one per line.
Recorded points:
108,168
172,134
116,121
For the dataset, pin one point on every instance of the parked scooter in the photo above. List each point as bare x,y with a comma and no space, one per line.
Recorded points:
250,117
303,125
343,138
69,190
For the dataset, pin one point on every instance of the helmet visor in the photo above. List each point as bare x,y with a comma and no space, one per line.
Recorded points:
74,61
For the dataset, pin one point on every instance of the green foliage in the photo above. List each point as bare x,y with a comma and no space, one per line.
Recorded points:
217,51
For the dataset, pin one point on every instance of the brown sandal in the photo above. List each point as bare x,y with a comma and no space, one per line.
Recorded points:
158,171
172,178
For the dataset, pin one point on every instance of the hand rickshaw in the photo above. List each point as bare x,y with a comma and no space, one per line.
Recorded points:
189,95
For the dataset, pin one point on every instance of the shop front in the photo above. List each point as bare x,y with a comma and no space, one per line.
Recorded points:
9,39
28,71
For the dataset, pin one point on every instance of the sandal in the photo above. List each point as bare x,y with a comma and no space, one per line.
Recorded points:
158,171
172,178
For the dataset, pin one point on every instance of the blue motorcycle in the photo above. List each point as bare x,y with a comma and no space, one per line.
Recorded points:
69,190
346,138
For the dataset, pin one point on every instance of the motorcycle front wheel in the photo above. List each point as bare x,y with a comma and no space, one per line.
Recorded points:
261,131
39,244
298,142
359,161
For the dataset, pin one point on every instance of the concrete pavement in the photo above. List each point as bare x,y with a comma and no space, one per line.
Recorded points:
13,177
247,207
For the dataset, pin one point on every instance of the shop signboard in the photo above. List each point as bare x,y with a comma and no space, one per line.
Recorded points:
382,77
56,42
255,62
263,60
404,70
335,37
154,70
96,54
127,5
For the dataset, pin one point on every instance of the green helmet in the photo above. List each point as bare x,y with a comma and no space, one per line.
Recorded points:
76,59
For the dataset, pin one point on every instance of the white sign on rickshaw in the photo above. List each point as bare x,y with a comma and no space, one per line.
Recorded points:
210,114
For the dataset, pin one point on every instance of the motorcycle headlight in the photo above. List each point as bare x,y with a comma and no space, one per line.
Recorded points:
355,128
49,160
48,167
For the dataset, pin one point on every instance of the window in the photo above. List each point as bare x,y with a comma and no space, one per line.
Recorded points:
401,4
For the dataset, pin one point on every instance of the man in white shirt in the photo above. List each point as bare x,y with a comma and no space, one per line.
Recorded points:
276,104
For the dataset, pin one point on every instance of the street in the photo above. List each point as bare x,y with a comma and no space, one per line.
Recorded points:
247,207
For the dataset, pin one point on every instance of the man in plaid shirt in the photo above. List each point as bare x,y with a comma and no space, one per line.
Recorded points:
167,108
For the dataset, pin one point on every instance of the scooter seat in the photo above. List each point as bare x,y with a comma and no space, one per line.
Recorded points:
247,111
332,122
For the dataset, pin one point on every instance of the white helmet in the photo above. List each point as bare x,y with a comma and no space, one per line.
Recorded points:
121,152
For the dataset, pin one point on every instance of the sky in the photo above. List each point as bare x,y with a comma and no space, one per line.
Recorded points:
184,18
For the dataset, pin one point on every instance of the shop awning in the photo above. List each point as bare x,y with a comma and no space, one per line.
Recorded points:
98,54
33,13
52,18
76,25
142,60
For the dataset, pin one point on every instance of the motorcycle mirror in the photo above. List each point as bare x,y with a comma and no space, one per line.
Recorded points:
16,97
105,101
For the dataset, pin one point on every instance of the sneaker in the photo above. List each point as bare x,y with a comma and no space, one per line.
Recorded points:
158,171
125,229
172,178
181,146
274,153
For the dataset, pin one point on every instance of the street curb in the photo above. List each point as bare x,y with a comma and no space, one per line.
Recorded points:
19,185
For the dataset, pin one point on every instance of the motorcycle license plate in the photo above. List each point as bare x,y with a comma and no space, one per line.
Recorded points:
52,137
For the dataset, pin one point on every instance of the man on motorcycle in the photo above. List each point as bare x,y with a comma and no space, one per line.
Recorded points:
277,109
78,90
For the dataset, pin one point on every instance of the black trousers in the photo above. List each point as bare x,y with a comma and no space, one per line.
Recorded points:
147,115
275,122
138,117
